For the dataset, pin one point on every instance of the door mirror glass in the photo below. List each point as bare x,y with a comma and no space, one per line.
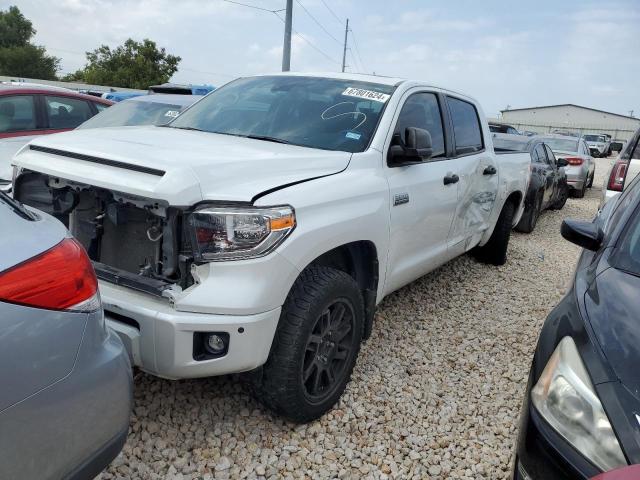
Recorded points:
562,162
585,234
415,148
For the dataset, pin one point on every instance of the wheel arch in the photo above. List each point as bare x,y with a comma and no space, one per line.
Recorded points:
358,259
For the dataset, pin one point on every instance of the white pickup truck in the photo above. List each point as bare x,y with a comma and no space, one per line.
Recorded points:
258,231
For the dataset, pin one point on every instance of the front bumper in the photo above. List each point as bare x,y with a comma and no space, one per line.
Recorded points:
160,339
542,454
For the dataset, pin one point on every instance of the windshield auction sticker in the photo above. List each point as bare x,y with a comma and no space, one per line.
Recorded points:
366,94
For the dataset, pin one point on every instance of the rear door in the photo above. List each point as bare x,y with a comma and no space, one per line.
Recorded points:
65,113
478,173
422,204
555,173
548,174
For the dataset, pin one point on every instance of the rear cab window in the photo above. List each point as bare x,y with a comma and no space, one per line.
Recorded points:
466,126
17,113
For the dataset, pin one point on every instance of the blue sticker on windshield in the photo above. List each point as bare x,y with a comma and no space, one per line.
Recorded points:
353,135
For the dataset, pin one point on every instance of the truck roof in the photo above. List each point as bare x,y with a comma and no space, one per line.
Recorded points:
361,77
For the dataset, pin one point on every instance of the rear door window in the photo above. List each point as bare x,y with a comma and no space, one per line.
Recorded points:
421,110
17,113
66,112
466,126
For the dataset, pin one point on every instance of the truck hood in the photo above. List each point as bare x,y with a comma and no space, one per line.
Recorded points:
179,166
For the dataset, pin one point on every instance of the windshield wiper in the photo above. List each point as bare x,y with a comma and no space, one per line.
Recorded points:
266,138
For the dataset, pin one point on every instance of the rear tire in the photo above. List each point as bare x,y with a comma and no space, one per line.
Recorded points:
315,346
580,193
494,251
590,184
529,219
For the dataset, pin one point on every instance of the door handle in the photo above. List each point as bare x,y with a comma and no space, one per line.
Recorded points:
451,178
490,170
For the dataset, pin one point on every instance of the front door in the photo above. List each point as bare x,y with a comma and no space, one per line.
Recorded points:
423,197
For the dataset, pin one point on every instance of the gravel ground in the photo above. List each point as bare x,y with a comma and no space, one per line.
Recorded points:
436,392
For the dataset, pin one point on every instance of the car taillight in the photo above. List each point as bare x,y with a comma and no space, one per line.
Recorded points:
574,160
62,278
618,174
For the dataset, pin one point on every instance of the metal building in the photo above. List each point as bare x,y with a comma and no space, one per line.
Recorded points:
572,118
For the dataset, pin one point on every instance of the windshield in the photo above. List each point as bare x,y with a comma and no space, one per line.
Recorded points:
562,144
313,112
131,113
594,138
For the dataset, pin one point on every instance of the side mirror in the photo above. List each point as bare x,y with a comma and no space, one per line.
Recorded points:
562,162
585,234
416,148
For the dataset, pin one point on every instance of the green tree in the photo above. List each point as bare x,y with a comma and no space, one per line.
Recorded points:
18,56
132,65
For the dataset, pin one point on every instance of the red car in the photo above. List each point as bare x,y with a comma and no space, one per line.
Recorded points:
30,110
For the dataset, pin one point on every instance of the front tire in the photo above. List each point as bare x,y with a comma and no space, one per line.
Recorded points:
315,346
495,250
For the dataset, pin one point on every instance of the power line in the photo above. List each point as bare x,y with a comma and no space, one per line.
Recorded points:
356,68
324,54
332,13
318,23
252,6
355,44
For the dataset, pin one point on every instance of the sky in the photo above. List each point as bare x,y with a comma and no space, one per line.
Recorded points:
503,53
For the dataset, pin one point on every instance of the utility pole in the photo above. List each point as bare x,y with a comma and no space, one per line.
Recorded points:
286,49
344,51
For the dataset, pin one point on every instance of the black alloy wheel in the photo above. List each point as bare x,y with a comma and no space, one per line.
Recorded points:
328,350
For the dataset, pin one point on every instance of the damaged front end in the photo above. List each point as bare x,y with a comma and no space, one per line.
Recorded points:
133,241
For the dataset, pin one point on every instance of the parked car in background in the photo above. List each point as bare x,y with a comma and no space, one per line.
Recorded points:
66,378
565,133
581,411
617,145
598,145
548,186
581,168
260,229
157,109
180,89
503,128
27,111
121,96
625,168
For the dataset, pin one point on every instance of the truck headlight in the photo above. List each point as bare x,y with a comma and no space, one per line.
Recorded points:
230,233
566,399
